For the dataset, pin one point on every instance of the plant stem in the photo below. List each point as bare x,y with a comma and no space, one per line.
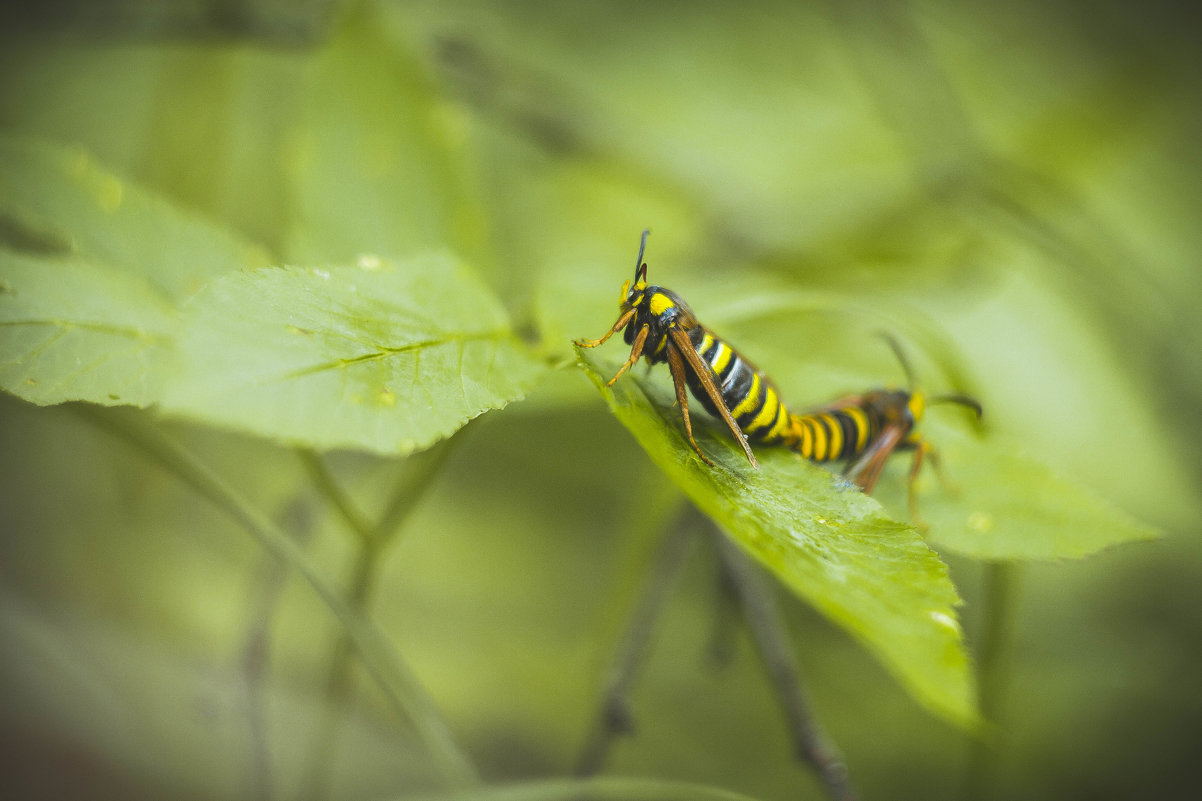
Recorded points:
614,717
727,617
321,477
256,655
373,540
379,657
768,631
997,624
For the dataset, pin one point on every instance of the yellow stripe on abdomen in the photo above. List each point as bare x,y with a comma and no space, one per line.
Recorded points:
748,403
806,440
861,422
835,447
819,453
721,358
767,412
783,423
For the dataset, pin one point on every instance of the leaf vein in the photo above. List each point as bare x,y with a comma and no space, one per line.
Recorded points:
38,349
83,369
129,332
384,352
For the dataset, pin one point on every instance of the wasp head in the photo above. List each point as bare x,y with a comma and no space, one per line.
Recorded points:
632,292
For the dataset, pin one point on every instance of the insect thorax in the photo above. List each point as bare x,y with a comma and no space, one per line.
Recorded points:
659,309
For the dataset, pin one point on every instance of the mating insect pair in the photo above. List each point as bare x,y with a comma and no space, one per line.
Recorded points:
862,429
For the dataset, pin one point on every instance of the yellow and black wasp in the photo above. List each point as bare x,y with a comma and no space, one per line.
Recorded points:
865,429
862,429
659,325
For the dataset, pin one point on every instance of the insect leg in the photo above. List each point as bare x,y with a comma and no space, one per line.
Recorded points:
932,456
636,350
618,326
921,449
676,365
867,469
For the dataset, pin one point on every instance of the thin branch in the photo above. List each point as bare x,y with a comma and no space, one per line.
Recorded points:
727,619
997,622
768,630
379,657
414,481
323,480
613,716
267,588
423,468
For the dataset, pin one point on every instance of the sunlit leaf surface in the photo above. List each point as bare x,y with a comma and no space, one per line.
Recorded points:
93,269
384,356
828,542
74,329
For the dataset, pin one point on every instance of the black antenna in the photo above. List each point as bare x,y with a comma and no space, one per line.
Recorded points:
896,347
962,400
953,397
638,263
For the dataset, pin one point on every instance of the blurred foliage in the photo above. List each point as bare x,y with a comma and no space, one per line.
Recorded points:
1014,191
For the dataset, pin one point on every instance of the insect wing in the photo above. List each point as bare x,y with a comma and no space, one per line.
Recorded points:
837,405
705,375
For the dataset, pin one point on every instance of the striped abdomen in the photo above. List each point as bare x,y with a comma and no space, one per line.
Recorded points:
756,406
832,435
753,401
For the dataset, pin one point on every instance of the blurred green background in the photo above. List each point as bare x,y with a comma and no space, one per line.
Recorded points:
1024,179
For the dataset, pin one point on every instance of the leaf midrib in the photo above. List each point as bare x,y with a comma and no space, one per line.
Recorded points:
384,352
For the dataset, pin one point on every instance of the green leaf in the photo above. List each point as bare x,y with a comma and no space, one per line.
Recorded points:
55,199
829,543
383,356
999,503
74,329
